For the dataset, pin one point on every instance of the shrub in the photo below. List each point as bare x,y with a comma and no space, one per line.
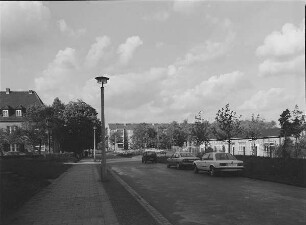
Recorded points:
283,170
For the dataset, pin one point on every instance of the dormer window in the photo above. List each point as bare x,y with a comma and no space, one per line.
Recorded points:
18,112
5,113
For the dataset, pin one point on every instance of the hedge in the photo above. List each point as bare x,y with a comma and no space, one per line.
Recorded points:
283,170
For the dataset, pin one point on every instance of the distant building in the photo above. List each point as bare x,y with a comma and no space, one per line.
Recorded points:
126,131
262,146
13,105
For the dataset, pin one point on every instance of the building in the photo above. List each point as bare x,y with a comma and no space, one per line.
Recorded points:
263,146
13,105
125,132
118,128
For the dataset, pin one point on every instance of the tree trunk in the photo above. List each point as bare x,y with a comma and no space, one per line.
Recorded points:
229,145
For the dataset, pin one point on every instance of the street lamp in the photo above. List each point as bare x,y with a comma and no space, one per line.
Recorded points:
94,128
102,81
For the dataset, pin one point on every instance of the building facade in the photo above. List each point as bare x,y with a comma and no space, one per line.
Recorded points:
13,105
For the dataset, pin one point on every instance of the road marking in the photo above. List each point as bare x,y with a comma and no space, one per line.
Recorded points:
160,219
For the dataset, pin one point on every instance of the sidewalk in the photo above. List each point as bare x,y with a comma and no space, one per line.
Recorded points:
77,197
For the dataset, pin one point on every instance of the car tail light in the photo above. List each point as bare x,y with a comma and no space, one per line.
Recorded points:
223,164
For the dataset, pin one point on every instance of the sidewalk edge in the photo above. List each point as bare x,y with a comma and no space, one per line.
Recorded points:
159,218
109,215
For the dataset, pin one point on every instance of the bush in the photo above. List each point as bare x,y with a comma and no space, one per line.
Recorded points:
283,170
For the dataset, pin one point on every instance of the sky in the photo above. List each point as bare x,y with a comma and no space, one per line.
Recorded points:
166,60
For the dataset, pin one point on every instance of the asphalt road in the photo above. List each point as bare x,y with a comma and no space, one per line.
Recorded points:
183,197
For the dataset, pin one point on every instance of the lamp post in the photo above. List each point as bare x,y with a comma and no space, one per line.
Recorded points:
94,128
102,81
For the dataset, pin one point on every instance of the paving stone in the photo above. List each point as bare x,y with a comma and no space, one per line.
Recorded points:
77,197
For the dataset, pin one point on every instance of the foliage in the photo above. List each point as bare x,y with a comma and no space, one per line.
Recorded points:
285,123
178,133
79,118
292,123
200,132
144,136
227,125
163,140
116,137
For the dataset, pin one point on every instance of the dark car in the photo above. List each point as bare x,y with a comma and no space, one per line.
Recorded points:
181,159
149,156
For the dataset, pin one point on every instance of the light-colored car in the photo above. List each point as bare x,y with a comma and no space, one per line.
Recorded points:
215,162
181,159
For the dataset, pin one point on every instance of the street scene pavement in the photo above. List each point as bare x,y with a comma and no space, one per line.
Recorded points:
77,197
183,197
152,194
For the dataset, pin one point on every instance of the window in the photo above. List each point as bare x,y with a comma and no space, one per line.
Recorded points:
205,157
5,113
18,112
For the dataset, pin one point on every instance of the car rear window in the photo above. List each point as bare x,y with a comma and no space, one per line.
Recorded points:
186,155
225,156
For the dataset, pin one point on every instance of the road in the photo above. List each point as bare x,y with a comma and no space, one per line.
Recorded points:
186,198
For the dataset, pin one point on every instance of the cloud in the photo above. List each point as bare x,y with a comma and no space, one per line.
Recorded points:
97,51
215,89
207,51
64,28
267,100
185,6
57,78
157,16
23,23
127,49
284,51
292,66
289,41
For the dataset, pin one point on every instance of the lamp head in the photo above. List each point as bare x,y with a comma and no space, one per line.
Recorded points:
102,80
94,127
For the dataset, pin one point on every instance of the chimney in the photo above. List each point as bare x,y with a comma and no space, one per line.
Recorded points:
7,91
30,92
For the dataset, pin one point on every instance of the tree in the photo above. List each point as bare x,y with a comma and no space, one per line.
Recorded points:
255,129
297,126
178,133
200,133
116,137
35,126
163,140
227,125
79,119
286,131
140,138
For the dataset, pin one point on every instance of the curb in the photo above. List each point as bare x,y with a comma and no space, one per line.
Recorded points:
107,208
159,218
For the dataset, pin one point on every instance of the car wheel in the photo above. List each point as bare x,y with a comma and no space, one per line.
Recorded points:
168,165
178,166
212,171
195,169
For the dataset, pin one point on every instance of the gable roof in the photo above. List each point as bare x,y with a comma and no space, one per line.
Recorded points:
15,99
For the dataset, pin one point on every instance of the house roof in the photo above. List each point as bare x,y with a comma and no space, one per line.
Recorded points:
13,100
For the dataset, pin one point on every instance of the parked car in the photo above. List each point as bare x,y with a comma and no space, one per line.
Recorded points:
215,162
149,156
181,159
